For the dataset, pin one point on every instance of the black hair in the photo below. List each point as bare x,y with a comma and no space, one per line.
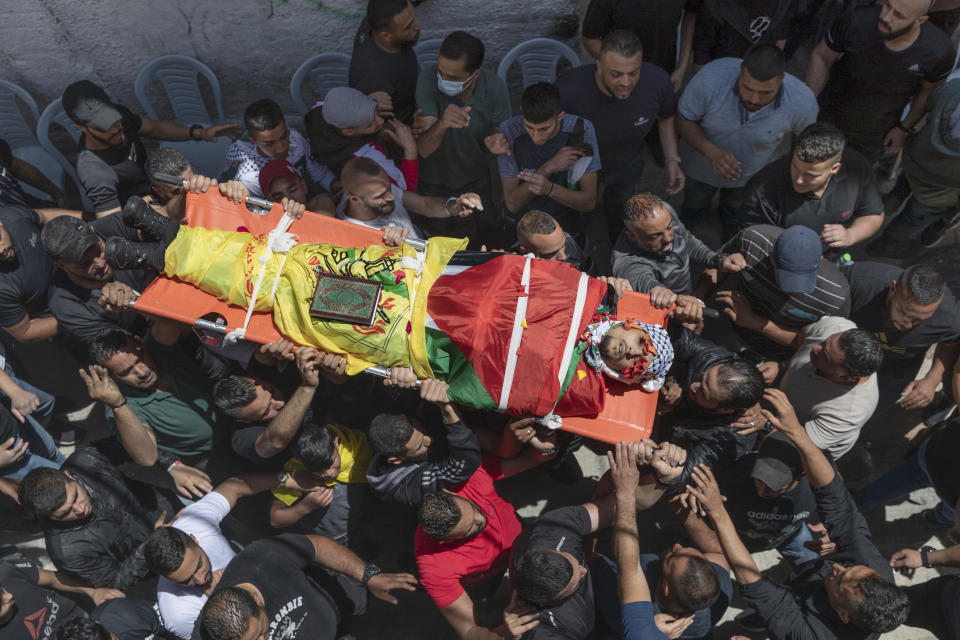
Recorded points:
540,574
819,142
262,115
540,102
741,382
923,282
108,344
534,223
764,62
863,353
697,587
165,160
461,44
380,12
883,607
314,447
389,433
165,548
439,513
642,205
624,43
227,614
82,628
232,393
43,491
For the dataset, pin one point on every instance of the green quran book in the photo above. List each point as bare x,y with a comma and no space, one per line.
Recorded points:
347,299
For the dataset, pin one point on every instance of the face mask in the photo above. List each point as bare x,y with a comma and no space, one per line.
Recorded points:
451,88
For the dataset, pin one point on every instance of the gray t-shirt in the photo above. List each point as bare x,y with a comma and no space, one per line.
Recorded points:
832,414
755,138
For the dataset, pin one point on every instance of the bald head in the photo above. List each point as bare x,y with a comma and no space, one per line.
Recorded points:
360,171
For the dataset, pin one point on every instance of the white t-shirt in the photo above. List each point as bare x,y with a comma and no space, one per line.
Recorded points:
398,218
244,157
832,414
180,606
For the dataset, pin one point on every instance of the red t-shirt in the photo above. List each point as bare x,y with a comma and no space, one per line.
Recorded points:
444,568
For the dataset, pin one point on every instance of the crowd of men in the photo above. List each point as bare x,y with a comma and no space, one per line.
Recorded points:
233,496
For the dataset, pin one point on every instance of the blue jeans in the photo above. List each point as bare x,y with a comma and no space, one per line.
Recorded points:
899,482
914,218
44,411
41,451
793,550
697,198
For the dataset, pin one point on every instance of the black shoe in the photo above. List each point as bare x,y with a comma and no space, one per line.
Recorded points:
153,227
120,253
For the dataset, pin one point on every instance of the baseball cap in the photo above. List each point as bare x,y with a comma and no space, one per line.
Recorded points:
67,238
778,462
797,257
274,169
89,105
344,108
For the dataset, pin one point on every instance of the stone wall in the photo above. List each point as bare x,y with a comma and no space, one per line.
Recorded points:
253,46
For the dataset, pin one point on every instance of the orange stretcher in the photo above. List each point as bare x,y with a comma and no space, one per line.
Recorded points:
628,411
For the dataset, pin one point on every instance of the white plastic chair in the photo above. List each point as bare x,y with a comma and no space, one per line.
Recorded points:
325,71
54,114
427,52
179,76
538,60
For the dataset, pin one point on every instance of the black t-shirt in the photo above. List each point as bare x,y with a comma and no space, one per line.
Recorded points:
80,314
765,524
869,84
942,461
373,69
869,284
110,176
621,125
11,193
654,21
24,282
130,619
562,530
39,611
297,608
771,199
727,28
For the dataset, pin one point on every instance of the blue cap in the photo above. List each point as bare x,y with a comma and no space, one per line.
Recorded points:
796,255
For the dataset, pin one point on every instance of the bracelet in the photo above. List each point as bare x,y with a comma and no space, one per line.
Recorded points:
446,207
676,159
552,185
193,128
122,404
175,463
904,129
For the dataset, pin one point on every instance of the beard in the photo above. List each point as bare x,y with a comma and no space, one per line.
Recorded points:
892,35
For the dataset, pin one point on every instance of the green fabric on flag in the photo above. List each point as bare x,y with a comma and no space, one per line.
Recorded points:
449,363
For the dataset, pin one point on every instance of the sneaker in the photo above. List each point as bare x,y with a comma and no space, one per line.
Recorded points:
153,227
120,253
930,517
750,620
66,438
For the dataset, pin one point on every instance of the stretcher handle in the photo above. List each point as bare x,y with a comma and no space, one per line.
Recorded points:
166,178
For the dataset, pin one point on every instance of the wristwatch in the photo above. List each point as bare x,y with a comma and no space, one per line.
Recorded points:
193,128
282,477
923,556
369,571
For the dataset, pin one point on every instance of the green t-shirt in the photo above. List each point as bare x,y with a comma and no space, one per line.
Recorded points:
461,157
184,418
